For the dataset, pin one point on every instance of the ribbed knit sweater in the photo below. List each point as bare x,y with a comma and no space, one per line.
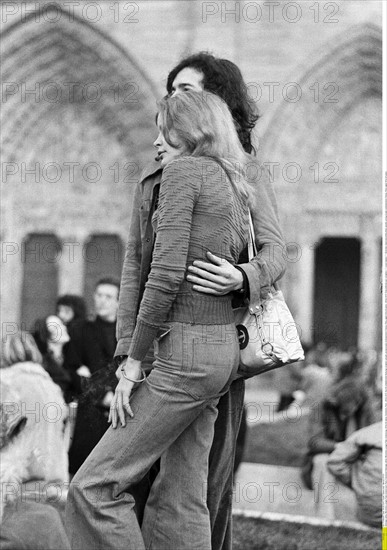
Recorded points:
199,211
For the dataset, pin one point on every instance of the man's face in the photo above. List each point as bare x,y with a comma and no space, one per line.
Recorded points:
188,79
106,302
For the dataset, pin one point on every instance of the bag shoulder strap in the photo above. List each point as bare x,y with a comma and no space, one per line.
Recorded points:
251,246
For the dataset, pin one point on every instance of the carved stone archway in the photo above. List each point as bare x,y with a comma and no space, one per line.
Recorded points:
327,151
77,127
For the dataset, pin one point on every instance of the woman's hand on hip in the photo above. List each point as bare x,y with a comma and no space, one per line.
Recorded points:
218,277
120,402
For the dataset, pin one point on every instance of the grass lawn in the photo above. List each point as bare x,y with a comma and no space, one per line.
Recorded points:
282,442
260,534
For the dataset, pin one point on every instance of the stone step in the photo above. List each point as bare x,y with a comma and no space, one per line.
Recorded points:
270,489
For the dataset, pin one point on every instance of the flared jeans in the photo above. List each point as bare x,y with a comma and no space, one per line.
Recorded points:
174,415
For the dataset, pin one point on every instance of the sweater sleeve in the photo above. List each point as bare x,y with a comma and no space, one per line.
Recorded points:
179,191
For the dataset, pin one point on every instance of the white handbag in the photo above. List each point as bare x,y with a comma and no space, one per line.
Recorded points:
267,332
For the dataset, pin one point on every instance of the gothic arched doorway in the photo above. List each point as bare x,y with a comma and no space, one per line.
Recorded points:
77,125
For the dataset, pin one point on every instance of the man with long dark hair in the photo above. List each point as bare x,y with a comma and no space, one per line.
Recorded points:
223,78
200,72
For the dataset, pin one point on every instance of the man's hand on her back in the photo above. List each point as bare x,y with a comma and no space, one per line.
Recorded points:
217,277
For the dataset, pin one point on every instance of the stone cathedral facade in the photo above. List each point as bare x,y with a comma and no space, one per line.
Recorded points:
80,81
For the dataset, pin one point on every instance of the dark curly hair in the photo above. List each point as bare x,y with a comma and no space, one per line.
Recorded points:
41,335
223,78
77,304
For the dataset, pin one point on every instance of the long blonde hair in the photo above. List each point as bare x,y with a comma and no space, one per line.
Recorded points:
19,348
203,123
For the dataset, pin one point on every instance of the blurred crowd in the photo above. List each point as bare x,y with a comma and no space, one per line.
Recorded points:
58,381
308,382
342,392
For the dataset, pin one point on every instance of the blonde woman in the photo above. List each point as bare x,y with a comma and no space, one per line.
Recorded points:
203,205
40,400
33,449
20,348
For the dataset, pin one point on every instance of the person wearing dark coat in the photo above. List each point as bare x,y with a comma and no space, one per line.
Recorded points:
89,358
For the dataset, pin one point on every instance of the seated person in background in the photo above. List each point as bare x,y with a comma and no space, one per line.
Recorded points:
40,401
287,382
373,377
347,408
90,351
357,462
316,376
27,521
51,336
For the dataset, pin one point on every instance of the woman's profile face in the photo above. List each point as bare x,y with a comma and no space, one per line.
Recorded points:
57,330
165,151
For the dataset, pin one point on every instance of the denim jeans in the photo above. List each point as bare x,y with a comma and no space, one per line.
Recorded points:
174,415
220,470
221,465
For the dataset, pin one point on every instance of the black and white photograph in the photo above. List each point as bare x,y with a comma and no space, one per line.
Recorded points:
192,275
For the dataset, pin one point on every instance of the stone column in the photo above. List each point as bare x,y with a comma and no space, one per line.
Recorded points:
12,265
369,291
71,264
304,292
12,235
